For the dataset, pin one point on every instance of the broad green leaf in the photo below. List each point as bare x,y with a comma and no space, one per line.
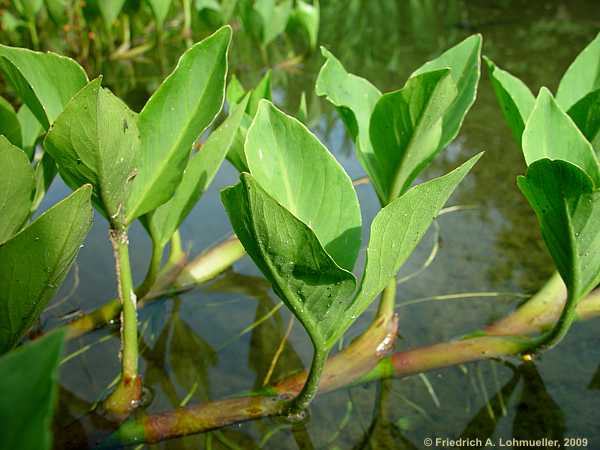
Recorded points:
110,10
586,115
160,9
262,90
96,140
567,206
31,129
16,189
550,133
44,173
464,61
234,93
198,175
45,82
28,393
582,76
9,123
515,99
290,255
355,99
396,231
307,15
227,9
176,114
406,128
36,262
298,171
274,18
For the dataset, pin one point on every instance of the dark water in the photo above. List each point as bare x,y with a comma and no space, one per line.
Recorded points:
194,343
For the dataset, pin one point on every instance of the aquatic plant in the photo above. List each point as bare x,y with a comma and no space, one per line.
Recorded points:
294,210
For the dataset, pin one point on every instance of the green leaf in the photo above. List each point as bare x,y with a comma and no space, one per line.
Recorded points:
198,175
31,130
45,82
582,76
406,128
38,259
568,210
290,255
236,155
355,99
178,112
396,231
16,189
464,61
110,10
234,93
586,115
550,133
9,123
44,174
515,99
288,161
28,392
160,9
274,18
307,15
261,91
96,140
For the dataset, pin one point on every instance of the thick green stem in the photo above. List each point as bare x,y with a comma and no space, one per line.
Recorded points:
126,395
311,386
153,270
176,252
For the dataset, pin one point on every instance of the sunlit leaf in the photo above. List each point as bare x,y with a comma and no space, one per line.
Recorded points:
288,161
406,128
28,394
16,189
31,129
171,121
567,206
96,140
355,99
582,76
550,133
289,254
396,231
464,62
198,175
37,261
586,115
515,98
9,124
45,82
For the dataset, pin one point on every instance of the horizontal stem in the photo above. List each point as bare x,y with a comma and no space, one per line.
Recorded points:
355,364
